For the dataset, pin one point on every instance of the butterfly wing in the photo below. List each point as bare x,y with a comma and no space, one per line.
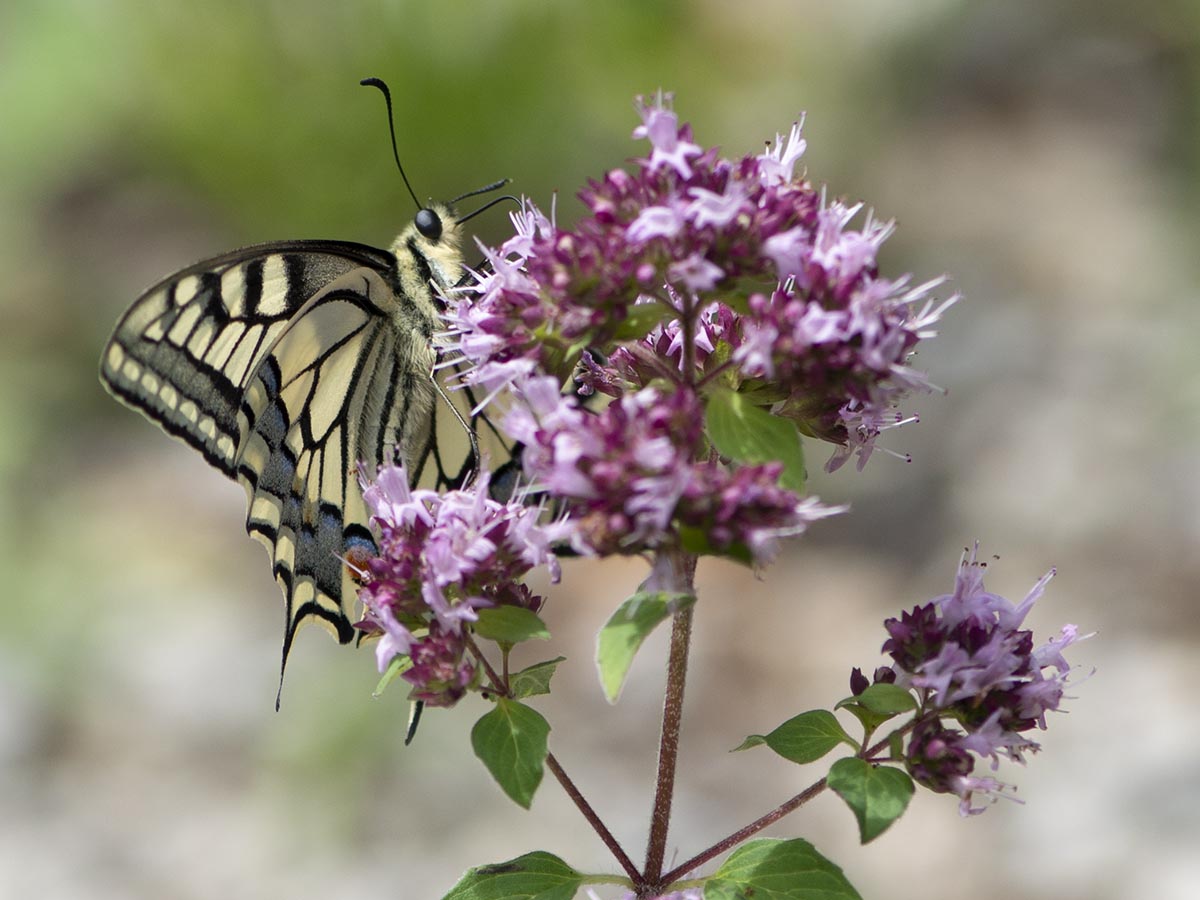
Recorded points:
184,351
284,364
347,381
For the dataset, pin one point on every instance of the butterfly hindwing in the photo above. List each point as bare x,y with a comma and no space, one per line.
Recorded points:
347,381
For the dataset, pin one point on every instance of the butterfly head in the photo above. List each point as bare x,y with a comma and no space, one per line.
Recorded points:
434,238
429,224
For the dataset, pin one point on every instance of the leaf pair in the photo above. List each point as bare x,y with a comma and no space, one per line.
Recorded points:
764,869
511,738
876,794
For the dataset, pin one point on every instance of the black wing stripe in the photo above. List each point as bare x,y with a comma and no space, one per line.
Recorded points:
252,283
298,288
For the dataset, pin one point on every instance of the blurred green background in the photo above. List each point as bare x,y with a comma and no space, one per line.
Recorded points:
1046,155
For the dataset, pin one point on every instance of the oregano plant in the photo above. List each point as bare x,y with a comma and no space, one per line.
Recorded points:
663,366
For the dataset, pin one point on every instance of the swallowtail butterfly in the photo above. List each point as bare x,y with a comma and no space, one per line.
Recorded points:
286,364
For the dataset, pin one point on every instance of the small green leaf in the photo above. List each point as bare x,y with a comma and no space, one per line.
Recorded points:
534,876
510,625
752,740
877,795
398,666
735,293
749,434
887,699
511,742
804,738
641,319
695,540
877,704
870,720
625,631
533,680
768,869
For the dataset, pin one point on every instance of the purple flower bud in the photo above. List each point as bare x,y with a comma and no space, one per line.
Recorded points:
881,675
440,672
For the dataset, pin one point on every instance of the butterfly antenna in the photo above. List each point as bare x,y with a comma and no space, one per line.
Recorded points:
486,189
487,205
387,96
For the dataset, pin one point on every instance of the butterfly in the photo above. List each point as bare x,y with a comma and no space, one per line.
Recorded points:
287,364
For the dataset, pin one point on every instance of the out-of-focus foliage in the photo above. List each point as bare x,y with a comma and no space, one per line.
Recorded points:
1046,155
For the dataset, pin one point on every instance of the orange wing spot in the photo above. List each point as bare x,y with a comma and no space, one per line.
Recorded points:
356,560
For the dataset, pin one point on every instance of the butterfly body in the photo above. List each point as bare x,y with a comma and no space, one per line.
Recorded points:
286,365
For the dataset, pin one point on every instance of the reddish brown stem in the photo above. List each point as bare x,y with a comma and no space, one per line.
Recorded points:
668,750
594,820
738,836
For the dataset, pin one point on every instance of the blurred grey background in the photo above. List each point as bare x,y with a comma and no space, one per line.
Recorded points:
1046,155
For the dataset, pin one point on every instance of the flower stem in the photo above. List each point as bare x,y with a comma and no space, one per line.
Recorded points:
753,828
593,819
683,568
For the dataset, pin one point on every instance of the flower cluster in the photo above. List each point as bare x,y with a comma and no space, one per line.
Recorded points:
973,664
673,262
441,558
636,478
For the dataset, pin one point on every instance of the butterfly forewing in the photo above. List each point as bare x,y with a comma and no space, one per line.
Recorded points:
183,351
286,365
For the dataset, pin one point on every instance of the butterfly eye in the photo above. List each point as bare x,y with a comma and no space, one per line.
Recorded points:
429,224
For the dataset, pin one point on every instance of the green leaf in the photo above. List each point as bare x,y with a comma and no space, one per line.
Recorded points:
641,319
695,540
625,631
511,742
877,704
536,876
887,699
533,680
398,666
768,869
749,434
870,720
877,795
735,293
753,740
804,738
510,625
